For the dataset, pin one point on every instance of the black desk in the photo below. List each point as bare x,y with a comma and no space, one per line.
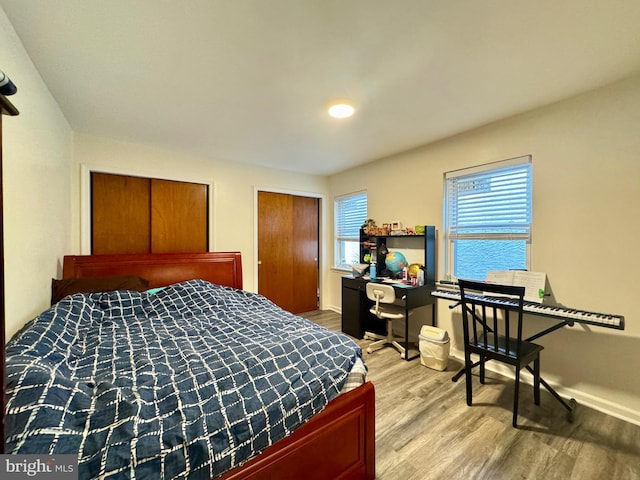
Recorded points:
356,317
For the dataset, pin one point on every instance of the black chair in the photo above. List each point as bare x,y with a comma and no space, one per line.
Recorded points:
493,331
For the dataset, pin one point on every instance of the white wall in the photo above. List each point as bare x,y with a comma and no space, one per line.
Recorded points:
586,188
234,187
37,151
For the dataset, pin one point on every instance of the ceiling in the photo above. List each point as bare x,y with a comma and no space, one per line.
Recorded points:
250,80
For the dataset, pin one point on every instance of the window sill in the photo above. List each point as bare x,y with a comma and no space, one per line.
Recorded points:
341,269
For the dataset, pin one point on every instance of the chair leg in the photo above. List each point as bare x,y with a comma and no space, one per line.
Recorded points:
467,375
536,380
482,370
515,398
389,339
373,336
399,347
373,346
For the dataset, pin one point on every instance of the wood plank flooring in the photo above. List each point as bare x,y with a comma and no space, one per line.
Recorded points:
425,430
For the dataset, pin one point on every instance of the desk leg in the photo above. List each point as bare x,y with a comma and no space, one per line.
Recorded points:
406,336
406,332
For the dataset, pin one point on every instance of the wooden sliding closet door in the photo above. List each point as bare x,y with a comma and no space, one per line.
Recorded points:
305,253
275,237
120,212
178,216
147,215
288,250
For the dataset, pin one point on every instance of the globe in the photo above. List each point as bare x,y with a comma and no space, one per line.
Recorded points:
395,262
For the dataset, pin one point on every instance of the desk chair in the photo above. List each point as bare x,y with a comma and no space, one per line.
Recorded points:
488,334
384,296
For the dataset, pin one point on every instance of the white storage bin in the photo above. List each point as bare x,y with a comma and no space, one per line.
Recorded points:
434,347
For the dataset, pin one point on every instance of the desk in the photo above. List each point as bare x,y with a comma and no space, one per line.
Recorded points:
356,318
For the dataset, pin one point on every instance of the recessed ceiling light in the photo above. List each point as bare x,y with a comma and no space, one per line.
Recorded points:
341,110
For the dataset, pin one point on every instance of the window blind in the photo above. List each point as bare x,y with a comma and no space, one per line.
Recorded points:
350,214
489,203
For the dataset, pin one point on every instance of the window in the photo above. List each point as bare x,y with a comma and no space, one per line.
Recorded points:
487,218
350,212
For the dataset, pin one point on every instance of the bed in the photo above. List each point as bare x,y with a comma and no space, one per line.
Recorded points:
336,442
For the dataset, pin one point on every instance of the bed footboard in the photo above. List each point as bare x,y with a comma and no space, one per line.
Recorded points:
338,443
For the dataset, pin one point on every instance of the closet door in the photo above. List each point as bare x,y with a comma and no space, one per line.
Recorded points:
120,212
288,250
178,216
144,215
275,240
305,253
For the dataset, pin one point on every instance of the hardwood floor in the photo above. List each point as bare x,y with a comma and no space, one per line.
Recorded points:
425,430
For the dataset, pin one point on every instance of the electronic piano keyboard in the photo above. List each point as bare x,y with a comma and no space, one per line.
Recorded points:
568,314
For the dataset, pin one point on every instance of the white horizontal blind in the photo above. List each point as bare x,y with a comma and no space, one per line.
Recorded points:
350,214
490,203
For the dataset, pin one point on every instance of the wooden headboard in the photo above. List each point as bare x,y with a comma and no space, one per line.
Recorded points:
160,269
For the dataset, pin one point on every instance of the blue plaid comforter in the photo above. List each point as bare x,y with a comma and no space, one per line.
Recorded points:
185,383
